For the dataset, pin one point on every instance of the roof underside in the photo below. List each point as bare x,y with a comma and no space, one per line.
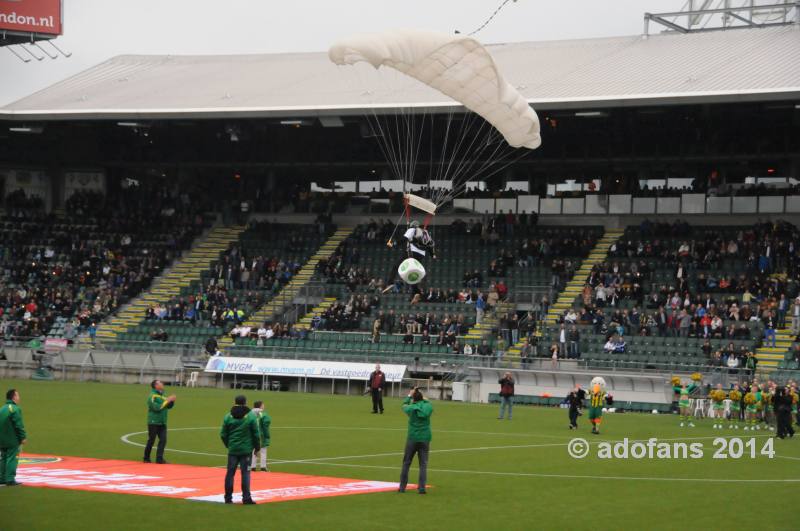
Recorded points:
734,65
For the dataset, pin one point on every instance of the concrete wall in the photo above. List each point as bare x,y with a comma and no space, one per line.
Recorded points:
558,383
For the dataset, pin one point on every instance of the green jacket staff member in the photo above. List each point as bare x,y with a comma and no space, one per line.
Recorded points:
418,442
241,436
263,420
12,437
158,406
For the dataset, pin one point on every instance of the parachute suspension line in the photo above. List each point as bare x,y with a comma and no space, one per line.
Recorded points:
390,241
420,136
443,150
468,164
355,79
467,159
503,160
387,149
488,20
466,125
470,159
482,165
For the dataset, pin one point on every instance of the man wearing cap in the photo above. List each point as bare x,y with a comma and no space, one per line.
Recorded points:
158,406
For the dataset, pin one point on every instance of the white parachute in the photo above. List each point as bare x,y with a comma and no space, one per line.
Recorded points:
455,65
461,68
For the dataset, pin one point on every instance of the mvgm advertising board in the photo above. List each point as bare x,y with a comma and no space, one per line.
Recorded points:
336,370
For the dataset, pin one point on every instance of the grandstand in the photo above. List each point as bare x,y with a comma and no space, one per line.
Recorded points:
208,238
608,225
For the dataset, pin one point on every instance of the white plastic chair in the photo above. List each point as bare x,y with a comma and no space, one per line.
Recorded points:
192,381
699,407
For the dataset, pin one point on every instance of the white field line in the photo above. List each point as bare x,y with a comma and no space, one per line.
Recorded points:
567,476
326,461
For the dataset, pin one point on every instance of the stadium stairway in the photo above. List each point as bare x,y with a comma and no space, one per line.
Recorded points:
574,287
770,357
290,290
189,268
305,322
490,321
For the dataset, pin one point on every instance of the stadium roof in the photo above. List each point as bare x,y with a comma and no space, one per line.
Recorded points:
721,66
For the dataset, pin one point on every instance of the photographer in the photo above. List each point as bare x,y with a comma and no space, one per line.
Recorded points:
575,400
506,395
418,442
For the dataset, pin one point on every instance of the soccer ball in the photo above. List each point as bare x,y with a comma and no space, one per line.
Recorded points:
411,271
598,380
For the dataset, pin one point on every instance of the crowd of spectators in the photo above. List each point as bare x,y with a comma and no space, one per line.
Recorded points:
82,268
670,280
213,307
20,206
266,332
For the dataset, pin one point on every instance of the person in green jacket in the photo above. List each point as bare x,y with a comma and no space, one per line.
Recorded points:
158,406
12,437
240,435
418,441
263,421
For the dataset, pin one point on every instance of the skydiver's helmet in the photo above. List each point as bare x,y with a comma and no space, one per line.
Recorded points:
414,224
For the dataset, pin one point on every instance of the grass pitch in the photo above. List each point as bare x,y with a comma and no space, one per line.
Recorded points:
484,473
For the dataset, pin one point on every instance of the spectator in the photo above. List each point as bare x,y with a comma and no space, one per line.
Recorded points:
769,329
211,346
526,353
480,308
796,316
574,343
562,340
376,330
554,356
500,346
484,349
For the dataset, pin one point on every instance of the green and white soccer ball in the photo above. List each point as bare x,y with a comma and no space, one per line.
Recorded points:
411,271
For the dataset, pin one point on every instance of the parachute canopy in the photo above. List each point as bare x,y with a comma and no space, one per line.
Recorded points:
455,65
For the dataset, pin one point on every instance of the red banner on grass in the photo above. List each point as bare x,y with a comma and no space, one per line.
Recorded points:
179,481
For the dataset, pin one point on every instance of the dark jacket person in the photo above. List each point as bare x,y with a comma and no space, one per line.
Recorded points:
506,395
240,435
376,383
783,412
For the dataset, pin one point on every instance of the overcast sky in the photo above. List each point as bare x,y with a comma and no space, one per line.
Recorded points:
95,30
